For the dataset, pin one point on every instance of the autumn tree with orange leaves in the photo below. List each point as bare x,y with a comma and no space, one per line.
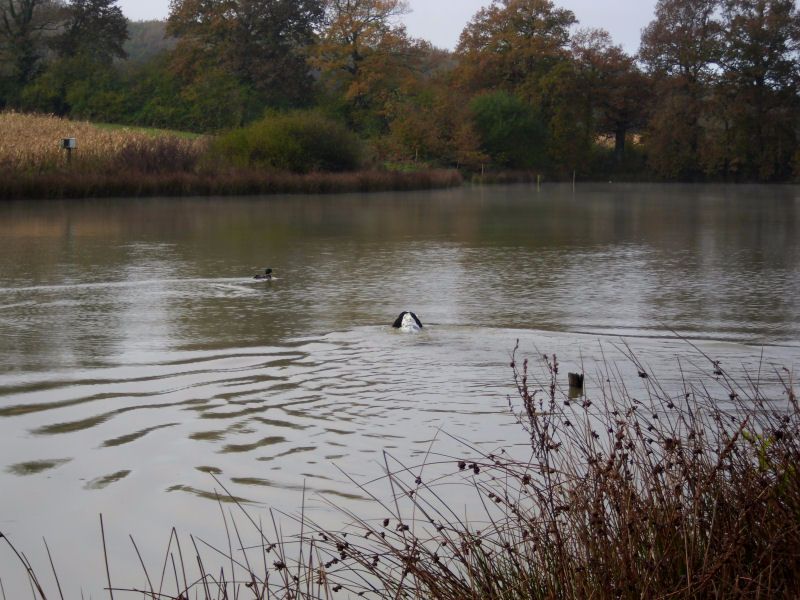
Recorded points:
365,56
512,44
616,90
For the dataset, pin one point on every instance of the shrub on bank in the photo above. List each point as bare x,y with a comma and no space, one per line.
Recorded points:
299,142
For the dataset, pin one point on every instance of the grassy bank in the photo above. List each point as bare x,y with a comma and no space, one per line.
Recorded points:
687,493
116,162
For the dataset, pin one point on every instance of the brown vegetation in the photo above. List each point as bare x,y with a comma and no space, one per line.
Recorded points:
124,162
230,183
31,144
664,495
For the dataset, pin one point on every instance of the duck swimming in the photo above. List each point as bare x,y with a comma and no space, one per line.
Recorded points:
266,276
408,322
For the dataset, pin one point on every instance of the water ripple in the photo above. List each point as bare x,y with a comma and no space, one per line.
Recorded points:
309,403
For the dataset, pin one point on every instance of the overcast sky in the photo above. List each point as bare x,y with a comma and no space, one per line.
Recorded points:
441,21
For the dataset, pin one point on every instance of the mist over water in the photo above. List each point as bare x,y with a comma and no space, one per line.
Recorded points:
139,357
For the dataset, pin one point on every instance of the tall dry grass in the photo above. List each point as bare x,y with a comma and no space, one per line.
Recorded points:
667,494
31,144
125,182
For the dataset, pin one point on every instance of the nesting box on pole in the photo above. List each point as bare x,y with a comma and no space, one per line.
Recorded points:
69,144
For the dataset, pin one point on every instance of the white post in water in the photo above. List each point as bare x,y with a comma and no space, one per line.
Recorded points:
574,178
69,144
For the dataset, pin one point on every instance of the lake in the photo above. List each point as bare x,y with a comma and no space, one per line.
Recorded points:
139,357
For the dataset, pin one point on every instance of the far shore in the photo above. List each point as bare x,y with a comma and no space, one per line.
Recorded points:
65,185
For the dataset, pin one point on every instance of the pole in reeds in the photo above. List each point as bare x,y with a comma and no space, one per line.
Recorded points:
574,179
69,144
539,183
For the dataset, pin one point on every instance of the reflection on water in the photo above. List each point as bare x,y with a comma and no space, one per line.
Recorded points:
100,482
139,358
35,467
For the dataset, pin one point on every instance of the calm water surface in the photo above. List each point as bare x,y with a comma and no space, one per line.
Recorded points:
138,355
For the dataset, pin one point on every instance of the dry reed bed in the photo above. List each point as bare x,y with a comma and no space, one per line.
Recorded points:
129,183
664,495
31,144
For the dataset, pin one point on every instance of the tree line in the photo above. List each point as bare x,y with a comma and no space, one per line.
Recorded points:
712,93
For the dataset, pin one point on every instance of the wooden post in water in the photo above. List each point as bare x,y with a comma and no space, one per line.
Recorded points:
574,178
576,381
539,183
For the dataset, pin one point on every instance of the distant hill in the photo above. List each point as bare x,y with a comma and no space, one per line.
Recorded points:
146,40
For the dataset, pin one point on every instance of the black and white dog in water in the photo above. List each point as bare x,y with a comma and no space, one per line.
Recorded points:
408,322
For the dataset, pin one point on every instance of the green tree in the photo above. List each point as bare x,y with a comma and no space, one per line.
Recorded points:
80,78
77,86
511,131
25,26
157,96
94,28
263,43
155,93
